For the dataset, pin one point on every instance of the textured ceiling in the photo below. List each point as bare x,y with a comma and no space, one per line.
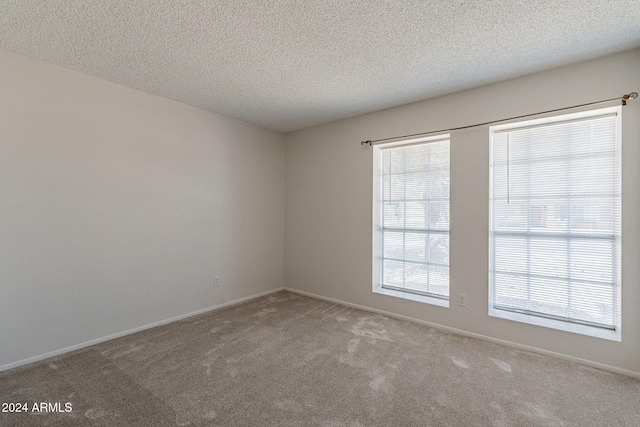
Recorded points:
288,65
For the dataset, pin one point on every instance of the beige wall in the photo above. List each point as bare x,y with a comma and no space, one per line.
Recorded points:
118,208
329,204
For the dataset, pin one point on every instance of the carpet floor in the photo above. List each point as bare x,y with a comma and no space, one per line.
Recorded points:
290,360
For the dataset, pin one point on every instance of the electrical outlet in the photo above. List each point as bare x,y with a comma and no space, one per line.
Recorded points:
462,299
216,281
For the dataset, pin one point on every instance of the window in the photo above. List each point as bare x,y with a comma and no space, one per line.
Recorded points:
411,220
554,243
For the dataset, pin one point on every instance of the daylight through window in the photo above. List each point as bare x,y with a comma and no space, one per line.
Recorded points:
411,220
555,222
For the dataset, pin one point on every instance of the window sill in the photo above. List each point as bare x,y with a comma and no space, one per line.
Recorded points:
591,331
412,297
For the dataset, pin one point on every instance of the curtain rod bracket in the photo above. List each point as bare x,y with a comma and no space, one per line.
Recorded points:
367,142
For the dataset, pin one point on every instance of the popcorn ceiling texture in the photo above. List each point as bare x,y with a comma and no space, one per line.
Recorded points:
288,65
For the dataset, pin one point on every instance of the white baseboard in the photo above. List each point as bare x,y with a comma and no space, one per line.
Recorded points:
132,331
586,362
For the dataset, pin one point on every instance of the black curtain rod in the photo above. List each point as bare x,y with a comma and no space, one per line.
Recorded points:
624,98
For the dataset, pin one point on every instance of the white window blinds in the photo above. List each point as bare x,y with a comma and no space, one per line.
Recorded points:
555,218
415,218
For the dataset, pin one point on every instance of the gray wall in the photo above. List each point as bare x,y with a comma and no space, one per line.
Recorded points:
118,208
329,204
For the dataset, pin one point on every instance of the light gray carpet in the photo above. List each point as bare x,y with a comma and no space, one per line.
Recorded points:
290,360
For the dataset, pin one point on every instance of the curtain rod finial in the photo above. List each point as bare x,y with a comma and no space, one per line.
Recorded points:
367,142
632,95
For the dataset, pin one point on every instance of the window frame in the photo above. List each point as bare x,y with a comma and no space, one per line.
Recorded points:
582,328
377,229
